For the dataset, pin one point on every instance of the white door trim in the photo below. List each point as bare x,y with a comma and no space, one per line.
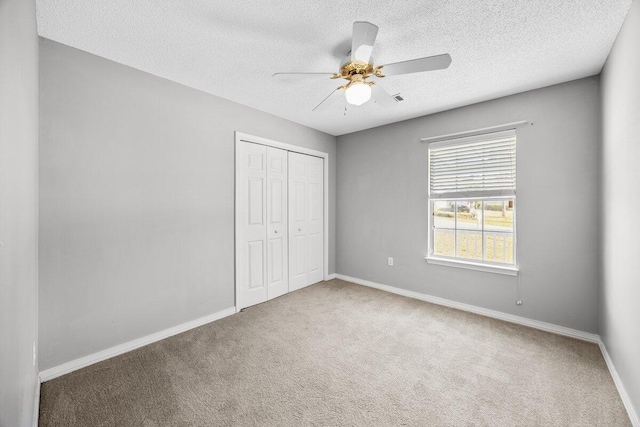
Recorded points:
241,136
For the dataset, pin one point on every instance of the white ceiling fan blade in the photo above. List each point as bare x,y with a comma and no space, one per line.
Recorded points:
430,63
364,36
297,76
382,97
324,104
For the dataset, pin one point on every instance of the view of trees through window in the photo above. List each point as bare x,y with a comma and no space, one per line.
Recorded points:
479,230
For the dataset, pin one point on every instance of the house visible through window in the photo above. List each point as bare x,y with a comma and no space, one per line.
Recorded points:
472,199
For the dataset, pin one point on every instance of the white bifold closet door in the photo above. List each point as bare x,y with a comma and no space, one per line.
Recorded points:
306,220
261,224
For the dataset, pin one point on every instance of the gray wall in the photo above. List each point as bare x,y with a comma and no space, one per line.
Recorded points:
620,287
18,210
137,201
382,206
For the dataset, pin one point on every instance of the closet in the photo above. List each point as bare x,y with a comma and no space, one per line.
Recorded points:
279,222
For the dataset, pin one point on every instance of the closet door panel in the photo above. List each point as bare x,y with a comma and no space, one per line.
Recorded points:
251,227
315,219
306,220
297,221
277,218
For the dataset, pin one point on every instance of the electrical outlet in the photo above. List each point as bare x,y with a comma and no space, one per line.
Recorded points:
390,261
519,302
34,353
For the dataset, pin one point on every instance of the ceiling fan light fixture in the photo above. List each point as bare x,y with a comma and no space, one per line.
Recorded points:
357,93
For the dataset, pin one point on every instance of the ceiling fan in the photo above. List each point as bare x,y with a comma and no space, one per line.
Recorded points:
358,67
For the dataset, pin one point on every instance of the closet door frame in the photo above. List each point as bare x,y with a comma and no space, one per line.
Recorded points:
240,136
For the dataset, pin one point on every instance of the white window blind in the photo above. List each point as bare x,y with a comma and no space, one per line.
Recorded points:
475,166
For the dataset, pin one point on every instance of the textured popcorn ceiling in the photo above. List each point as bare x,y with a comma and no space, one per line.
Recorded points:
230,48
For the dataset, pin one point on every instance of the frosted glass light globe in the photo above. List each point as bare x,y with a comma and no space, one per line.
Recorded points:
358,93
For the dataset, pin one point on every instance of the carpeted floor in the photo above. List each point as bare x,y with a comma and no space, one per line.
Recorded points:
337,354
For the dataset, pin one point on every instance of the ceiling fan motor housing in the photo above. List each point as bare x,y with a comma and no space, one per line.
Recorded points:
357,79
349,68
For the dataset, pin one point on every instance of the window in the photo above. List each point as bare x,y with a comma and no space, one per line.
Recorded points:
472,202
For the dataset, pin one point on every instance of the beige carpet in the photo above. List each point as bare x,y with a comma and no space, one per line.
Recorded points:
339,354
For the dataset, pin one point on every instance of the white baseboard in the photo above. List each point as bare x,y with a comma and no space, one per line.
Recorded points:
36,403
549,327
82,362
633,415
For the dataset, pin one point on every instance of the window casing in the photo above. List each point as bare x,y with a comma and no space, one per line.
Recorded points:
472,201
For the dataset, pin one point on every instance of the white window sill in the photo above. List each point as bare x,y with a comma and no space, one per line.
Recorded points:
497,269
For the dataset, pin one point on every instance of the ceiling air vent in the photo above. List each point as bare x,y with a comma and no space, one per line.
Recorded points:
398,97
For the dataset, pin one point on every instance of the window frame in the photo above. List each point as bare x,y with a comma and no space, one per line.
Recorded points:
465,263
